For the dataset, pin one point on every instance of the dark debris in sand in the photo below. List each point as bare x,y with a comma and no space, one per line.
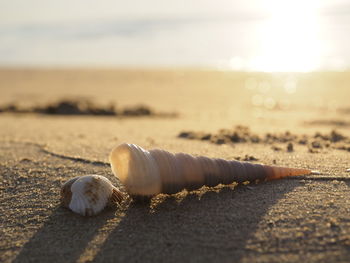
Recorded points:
242,134
336,123
344,110
247,158
84,107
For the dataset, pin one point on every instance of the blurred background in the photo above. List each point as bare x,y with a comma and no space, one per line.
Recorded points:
253,35
271,63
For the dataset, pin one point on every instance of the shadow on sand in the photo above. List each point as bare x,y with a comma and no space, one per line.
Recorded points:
212,228
62,238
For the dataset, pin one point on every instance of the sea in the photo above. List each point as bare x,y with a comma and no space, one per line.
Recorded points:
238,35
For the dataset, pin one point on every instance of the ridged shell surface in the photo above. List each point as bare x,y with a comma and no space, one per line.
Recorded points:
136,169
87,195
148,173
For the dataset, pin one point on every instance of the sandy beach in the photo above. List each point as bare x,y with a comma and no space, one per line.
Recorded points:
291,220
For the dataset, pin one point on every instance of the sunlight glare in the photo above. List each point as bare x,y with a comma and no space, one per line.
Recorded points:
289,38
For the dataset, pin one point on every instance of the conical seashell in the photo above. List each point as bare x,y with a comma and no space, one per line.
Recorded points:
88,195
147,173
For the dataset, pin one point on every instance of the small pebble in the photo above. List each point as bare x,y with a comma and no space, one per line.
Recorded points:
315,172
302,141
316,144
311,150
276,148
25,160
248,158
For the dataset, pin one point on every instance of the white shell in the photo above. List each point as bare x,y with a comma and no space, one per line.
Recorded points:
136,169
147,173
87,195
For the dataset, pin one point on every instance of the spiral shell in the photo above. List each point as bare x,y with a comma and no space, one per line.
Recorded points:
148,173
88,195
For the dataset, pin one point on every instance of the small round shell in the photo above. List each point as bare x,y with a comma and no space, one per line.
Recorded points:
88,195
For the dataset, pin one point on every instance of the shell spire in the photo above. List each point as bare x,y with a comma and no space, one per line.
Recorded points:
147,173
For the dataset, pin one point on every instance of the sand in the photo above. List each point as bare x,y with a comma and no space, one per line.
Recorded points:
290,220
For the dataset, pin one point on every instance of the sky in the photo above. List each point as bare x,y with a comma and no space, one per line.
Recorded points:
252,35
